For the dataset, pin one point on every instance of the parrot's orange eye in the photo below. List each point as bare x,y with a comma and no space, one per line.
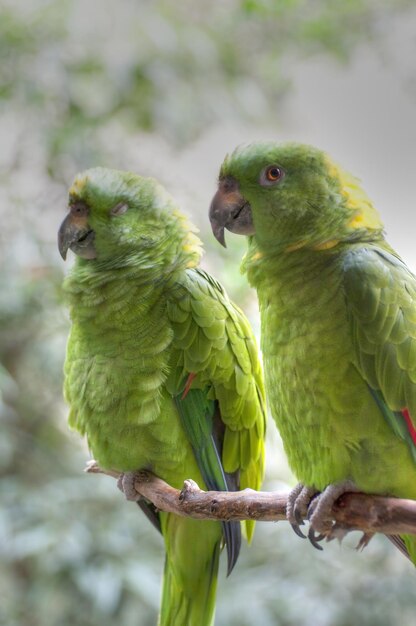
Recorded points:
271,175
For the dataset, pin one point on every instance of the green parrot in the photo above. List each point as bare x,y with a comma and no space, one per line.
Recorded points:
338,325
161,370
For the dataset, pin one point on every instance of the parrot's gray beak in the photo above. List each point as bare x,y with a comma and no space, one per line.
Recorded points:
75,234
230,210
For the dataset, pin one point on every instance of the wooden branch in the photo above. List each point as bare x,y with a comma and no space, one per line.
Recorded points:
352,511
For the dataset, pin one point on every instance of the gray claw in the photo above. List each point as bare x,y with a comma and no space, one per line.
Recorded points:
298,516
298,531
297,507
314,538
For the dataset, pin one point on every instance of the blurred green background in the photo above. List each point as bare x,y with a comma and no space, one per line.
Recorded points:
166,88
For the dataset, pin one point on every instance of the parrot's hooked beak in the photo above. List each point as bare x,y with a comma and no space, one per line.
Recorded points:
75,234
230,210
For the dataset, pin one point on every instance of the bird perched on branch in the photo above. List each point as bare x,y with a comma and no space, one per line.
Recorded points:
161,371
338,319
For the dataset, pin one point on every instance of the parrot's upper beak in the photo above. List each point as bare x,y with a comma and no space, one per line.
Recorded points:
230,210
74,233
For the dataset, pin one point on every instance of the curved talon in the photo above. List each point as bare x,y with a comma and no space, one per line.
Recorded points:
298,516
313,538
297,508
298,531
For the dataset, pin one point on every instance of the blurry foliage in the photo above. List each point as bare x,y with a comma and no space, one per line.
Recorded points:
79,80
174,68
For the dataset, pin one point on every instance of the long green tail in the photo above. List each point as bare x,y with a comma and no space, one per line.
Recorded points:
190,574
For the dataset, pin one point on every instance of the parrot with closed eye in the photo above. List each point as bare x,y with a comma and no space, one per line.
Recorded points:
161,370
338,324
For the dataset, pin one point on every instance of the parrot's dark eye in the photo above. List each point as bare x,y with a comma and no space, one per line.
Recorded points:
271,175
78,208
119,209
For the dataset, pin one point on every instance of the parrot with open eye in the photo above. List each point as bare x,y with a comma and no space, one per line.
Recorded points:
338,325
161,370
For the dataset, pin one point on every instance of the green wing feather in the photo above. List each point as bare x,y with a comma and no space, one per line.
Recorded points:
197,412
197,415
214,341
381,300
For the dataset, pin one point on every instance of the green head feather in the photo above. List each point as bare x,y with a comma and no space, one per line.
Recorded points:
299,197
134,220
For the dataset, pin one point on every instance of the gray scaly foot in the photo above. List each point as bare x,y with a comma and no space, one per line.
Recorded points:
298,502
320,511
126,482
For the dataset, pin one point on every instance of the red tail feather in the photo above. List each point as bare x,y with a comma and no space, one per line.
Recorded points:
410,426
188,385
